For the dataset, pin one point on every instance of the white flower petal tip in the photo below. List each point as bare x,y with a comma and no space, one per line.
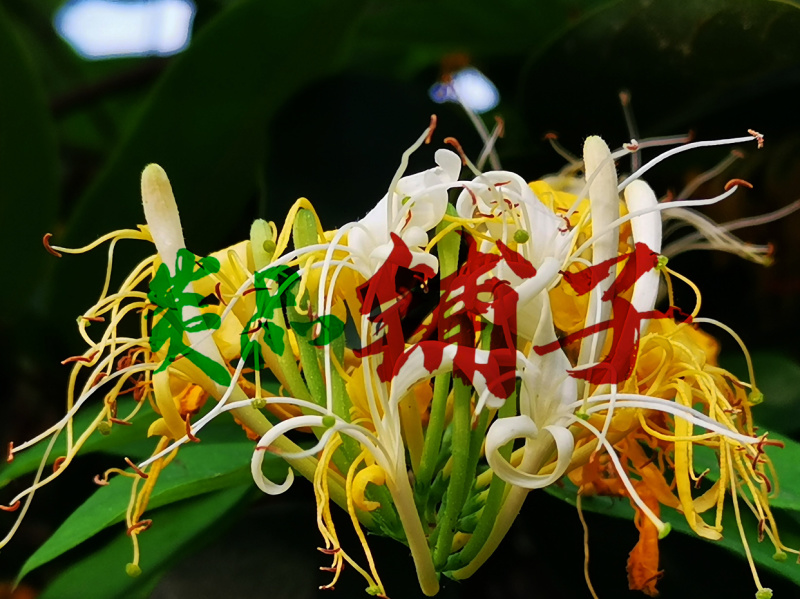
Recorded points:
161,213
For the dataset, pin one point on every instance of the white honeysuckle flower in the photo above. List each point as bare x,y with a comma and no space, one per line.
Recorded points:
546,403
418,205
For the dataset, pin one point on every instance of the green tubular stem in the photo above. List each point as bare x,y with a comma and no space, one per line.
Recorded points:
433,437
260,233
505,518
494,501
415,535
459,477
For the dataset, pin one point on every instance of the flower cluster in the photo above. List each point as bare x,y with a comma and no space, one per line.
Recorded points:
467,341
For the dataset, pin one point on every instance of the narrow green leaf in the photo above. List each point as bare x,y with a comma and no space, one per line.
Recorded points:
199,468
175,530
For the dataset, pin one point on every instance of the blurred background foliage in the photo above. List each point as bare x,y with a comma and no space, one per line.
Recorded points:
274,100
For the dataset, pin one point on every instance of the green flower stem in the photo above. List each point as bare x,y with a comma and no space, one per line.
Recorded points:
494,501
447,250
304,233
400,489
458,486
508,513
260,236
433,438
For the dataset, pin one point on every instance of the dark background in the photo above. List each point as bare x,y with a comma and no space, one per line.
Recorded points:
273,101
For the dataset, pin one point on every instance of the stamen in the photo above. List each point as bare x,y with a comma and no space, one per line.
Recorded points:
11,508
552,138
122,422
759,138
92,318
135,468
585,545
10,455
189,431
630,123
138,527
454,142
218,293
98,480
57,463
85,359
48,247
431,129
736,183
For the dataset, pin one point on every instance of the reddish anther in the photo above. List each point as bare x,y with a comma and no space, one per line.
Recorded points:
100,376
759,138
326,551
11,508
454,142
700,478
48,247
765,480
189,431
551,136
501,126
737,182
94,318
57,464
431,129
328,569
140,526
471,195
84,359
136,468
10,455
100,481
738,154
118,421
218,293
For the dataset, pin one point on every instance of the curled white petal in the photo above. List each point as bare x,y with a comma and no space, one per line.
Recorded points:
263,483
506,430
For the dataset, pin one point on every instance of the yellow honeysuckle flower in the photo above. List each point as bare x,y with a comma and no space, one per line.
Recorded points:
437,361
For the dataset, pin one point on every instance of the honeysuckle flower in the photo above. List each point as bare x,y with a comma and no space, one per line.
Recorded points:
495,345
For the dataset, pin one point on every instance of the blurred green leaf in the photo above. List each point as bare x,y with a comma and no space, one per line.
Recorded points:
28,171
198,468
404,37
785,461
788,526
123,440
206,121
176,529
778,378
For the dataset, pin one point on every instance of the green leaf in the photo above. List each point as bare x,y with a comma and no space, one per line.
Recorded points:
433,29
29,173
784,459
206,120
778,378
176,529
129,440
198,468
788,526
